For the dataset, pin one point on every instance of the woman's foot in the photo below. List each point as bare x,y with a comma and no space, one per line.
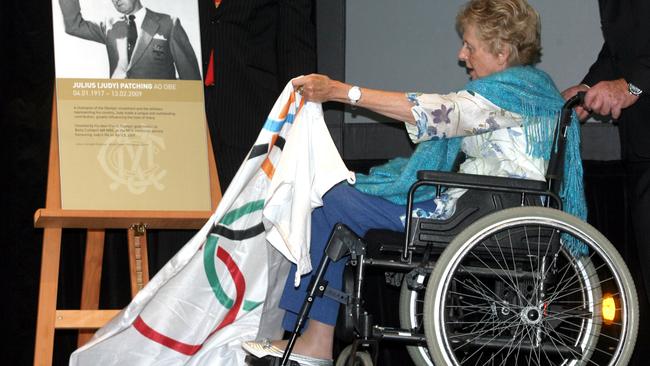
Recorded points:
305,348
266,352
315,342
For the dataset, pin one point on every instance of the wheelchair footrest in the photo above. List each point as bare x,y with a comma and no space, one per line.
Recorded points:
267,361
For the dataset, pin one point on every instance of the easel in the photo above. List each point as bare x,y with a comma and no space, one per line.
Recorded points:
53,219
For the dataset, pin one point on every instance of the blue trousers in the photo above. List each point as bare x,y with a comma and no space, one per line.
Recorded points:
360,212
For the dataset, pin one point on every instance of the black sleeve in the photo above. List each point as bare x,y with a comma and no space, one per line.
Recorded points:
639,72
296,40
602,69
626,51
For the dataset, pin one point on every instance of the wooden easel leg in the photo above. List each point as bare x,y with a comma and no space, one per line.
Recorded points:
49,285
92,277
138,258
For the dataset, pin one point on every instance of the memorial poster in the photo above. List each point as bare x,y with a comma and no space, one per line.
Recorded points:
129,97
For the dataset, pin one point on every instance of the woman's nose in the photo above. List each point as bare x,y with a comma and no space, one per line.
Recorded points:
462,54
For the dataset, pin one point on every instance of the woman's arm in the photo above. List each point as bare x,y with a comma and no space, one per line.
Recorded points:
457,114
428,116
320,88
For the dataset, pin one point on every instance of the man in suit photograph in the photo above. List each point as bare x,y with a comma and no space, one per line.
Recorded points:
141,44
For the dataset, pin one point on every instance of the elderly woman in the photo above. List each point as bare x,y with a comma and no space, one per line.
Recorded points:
503,120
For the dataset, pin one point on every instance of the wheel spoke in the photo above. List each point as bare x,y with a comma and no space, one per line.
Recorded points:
507,291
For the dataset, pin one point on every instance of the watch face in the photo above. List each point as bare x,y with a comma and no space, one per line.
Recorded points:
354,94
633,89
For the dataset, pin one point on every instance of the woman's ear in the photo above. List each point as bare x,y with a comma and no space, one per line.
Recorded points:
503,56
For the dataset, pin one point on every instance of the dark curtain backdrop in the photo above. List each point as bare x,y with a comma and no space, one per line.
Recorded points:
26,99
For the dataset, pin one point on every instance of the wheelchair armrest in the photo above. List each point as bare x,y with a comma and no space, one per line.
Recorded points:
481,181
474,182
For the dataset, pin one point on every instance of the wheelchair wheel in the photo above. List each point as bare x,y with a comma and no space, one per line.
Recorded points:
362,358
506,291
411,309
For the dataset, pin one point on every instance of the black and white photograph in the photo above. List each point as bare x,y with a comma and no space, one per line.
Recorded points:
127,39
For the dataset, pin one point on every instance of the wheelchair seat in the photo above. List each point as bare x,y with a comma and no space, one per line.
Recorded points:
475,203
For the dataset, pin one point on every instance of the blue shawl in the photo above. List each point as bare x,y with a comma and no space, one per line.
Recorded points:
524,90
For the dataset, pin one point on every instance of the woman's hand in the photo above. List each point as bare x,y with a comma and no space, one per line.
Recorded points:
315,87
320,88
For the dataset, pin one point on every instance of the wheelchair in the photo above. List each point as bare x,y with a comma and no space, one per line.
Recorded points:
501,282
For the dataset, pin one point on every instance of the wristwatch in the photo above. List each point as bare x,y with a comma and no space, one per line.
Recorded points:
634,90
354,94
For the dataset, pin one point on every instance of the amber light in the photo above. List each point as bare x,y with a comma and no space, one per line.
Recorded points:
609,309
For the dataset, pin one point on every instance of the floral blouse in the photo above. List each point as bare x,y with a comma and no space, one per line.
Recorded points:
494,141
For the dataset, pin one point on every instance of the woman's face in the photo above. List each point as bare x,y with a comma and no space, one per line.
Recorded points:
478,60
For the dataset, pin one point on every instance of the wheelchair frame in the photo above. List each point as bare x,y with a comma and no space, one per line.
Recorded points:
343,242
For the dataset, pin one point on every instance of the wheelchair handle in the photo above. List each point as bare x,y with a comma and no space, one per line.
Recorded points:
555,169
568,106
575,100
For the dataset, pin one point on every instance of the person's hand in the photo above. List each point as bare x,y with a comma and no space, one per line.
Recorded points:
570,92
609,97
314,87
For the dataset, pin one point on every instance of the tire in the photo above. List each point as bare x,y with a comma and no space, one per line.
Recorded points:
411,308
362,358
478,309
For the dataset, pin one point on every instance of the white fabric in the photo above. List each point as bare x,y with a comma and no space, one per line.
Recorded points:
493,139
207,299
309,167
